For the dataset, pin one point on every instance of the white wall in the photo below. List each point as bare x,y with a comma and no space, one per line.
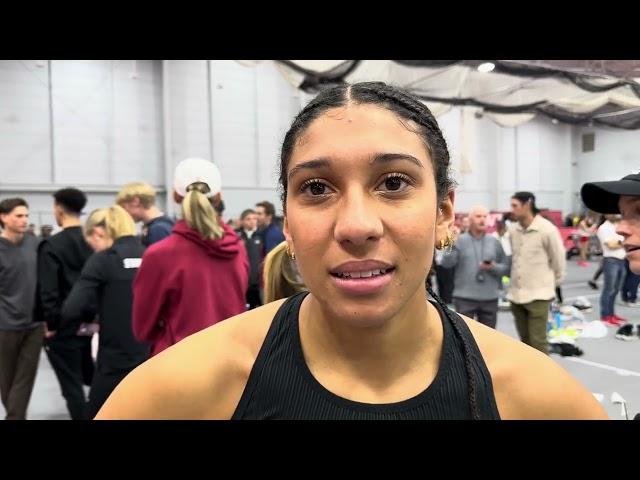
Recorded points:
236,116
616,154
535,156
101,128
25,142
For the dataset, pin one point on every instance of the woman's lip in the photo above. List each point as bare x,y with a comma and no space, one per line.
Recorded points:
363,285
361,266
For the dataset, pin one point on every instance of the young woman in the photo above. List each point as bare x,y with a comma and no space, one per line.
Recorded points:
104,288
367,197
198,275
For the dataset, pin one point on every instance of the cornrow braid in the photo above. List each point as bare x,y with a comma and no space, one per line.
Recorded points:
475,413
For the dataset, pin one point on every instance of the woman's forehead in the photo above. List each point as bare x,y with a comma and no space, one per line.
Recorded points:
358,130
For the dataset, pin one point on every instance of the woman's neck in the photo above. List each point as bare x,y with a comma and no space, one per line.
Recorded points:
378,354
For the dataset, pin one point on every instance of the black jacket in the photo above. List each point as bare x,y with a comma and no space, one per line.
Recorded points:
60,261
105,287
254,246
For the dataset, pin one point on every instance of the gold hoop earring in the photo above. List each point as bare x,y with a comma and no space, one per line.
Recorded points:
290,253
446,242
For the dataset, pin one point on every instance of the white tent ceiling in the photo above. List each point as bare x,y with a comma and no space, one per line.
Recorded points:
515,92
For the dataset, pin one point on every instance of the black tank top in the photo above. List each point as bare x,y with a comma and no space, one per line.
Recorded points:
281,386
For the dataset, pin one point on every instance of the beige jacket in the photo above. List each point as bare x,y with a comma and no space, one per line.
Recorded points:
538,261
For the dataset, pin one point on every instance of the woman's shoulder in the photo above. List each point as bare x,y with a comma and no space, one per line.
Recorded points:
203,376
529,384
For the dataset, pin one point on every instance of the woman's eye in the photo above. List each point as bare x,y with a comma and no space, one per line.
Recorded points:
395,183
315,188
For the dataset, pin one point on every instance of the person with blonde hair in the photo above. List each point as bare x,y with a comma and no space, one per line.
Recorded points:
105,288
281,276
139,200
199,274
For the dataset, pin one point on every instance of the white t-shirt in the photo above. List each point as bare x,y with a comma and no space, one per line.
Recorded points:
607,232
505,241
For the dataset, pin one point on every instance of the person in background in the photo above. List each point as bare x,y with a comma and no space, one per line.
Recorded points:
502,235
139,200
46,231
253,245
281,276
199,274
479,263
613,268
60,261
268,229
538,266
21,332
105,288
587,229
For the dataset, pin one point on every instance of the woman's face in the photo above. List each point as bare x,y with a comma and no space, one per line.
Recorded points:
362,213
98,239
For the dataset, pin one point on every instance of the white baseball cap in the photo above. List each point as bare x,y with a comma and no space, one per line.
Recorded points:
194,170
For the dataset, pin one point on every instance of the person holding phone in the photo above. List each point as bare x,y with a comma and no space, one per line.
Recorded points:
480,263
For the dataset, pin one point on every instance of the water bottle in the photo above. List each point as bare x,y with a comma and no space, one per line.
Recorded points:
558,319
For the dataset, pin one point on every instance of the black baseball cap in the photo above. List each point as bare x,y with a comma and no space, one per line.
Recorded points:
603,197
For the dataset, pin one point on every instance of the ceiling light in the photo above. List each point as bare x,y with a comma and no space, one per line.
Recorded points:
486,67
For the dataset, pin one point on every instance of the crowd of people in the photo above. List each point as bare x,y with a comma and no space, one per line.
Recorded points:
324,315
140,289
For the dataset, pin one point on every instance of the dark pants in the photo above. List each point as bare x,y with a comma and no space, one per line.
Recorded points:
253,297
19,358
445,280
598,272
70,358
486,312
614,271
629,291
531,323
103,385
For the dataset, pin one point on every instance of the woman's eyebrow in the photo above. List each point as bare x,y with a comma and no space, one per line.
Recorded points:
310,165
377,158
391,157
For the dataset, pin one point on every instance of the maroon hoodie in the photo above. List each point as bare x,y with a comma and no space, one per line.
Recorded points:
187,283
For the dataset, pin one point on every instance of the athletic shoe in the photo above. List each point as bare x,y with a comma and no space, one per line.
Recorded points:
625,333
611,321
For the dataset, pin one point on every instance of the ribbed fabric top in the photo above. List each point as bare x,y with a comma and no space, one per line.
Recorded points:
281,386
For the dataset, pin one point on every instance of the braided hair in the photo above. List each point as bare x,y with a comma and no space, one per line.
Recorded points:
416,117
473,402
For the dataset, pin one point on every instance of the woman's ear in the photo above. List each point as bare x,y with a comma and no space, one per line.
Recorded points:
287,234
445,217
177,197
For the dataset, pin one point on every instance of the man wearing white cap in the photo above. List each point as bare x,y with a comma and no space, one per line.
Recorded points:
199,274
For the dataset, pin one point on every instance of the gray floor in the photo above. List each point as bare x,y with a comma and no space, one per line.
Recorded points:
614,365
